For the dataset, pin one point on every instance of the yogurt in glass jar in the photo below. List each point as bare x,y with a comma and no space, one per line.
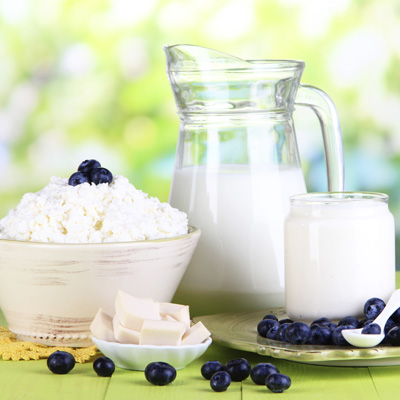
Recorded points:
339,252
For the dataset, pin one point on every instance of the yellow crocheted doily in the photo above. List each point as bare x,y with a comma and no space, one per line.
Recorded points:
13,349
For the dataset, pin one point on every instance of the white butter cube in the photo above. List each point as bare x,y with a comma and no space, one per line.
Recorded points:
162,333
124,335
196,334
132,311
177,311
102,327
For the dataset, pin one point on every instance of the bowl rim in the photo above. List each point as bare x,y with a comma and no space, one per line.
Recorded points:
192,231
207,342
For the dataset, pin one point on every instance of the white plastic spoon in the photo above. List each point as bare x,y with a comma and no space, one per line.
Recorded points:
358,339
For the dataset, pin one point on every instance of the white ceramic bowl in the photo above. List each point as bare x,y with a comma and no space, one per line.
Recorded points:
50,293
137,357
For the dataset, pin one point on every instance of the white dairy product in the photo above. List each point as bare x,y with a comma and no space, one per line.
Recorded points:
124,335
195,334
339,252
85,213
162,333
238,263
102,326
133,311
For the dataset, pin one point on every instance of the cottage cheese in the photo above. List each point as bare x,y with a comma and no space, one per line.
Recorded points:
86,213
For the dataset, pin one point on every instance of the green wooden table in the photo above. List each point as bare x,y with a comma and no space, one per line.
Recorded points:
31,380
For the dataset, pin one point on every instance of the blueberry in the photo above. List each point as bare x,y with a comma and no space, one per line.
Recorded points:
373,307
320,335
389,325
209,368
337,336
277,383
396,316
298,333
280,334
331,325
286,321
220,381
371,329
270,316
271,334
60,362
100,175
87,165
349,321
160,373
265,325
321,321
78,178
259,372
393,336
104,366
239,369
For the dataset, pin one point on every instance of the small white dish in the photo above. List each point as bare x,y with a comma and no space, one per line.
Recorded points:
137,357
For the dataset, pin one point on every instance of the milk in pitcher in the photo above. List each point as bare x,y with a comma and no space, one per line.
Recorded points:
238,264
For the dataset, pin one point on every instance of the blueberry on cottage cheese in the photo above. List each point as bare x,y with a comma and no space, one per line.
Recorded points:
373,307
87,165
220,381
259,372
100,175
209,368
77,178
277,383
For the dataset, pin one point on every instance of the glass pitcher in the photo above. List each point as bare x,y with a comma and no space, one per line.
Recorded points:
236,166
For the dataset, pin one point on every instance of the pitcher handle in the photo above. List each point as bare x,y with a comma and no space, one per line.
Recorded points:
322,105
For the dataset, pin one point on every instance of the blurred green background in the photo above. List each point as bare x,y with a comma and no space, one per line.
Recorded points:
86,79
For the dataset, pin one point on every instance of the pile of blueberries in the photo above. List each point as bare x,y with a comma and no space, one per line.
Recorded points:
237,370
325,332
90,171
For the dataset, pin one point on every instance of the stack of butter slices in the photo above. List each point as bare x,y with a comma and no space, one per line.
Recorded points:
144,321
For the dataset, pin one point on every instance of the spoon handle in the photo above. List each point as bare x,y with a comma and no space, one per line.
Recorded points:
392,305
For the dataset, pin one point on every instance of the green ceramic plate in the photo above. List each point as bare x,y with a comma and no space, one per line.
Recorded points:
239,331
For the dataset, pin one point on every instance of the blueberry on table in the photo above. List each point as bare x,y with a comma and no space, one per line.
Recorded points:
220,381
373,307
87,165
100,175
238,369
337,336
320,335
349,321
259,372
277,383
60,362
77,178
298,333
209,368
160,373
104,366
265,325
